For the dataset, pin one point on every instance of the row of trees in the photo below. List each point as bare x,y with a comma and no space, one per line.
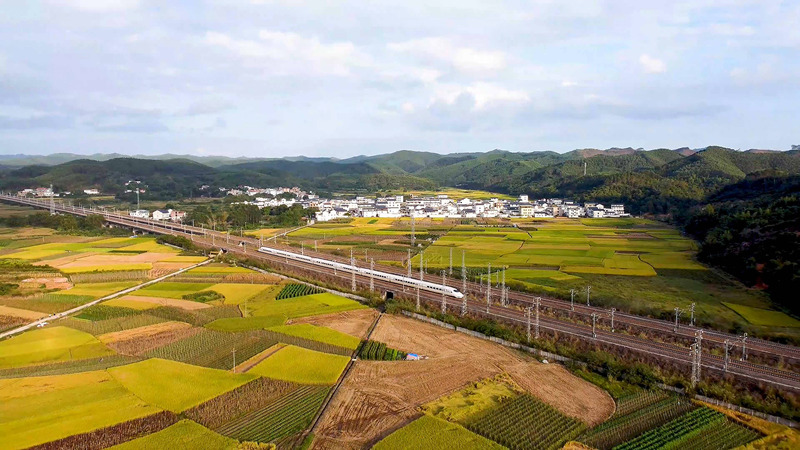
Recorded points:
250,216
91,224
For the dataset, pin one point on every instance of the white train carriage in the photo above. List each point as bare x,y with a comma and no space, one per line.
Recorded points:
425,285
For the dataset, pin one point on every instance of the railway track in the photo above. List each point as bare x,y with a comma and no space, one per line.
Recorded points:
743,369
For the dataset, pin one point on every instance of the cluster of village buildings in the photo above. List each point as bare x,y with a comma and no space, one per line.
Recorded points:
439,206
442,206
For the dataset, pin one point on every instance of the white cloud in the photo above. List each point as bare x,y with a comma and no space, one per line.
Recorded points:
100,5
652,65
484,95
296,52
463,59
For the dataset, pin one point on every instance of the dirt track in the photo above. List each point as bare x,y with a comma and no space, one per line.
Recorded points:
379,397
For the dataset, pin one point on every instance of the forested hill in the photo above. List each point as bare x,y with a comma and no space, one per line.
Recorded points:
742,206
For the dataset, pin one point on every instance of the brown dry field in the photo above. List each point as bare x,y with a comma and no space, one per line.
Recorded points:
377,398
62,261
20,313
142,332
101,259
355,323
143,343
183,304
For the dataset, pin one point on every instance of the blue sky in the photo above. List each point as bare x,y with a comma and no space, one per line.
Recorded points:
339,78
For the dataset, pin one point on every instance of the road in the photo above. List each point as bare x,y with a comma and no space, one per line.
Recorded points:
52,317
476,304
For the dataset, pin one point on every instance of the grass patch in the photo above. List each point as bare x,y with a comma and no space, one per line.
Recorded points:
320,334
303,366
184,434
469,403
176,386
172,289
236,293
51,344
104,312
42,409
204,296
430,432
307,305
764,317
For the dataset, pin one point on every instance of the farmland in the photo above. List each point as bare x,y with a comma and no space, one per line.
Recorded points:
632,264
430,432
301,365
139,364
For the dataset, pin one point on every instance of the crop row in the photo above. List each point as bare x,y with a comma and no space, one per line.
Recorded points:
214,349
637,401
102,277
247,398
308,343
297,290
525,422
723,435
674,433
111,325
66,367
97,313
287,416
624,428
378,351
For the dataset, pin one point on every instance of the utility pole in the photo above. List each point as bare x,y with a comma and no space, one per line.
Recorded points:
503,293
538,301
420,279
302,248
697,357
413,230
528,317
463,276
137,198
371,275
315,245
52,201
588,289
728,346
613,310
594,325
450,273
444,300
408,263
234,360
352,271
691,317
572,299
489,288
678,312
744,347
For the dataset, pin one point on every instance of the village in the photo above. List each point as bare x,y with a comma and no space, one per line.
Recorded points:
394,206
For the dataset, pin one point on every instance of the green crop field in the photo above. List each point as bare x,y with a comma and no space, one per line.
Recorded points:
98,290
470,402
214,349
41,409
525,422
51,344
108,268
321,334
216,269
764,317
184,434
300,365
175,386
430,432
287,415
238,293
172,289
307,305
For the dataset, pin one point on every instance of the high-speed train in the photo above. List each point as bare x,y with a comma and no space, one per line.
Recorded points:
433,287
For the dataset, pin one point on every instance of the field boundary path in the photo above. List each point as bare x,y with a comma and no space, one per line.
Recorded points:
94,302
332,393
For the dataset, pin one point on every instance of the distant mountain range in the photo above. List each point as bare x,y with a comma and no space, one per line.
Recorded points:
643,178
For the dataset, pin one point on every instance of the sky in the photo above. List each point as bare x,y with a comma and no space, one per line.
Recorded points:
277,78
